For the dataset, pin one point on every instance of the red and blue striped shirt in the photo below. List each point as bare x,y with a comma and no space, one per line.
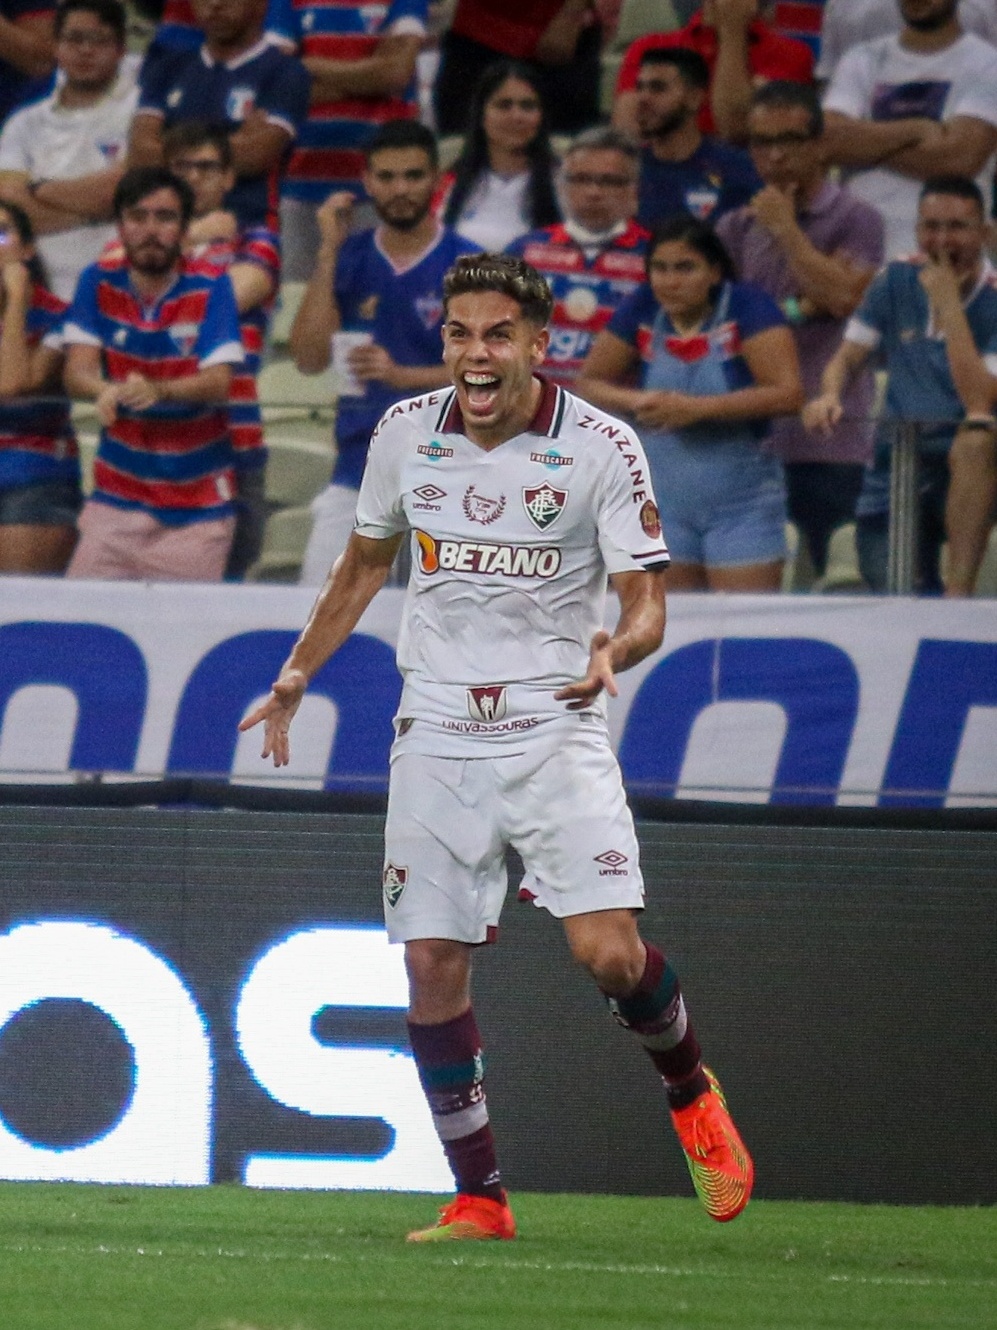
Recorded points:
175,459
37,442
329,153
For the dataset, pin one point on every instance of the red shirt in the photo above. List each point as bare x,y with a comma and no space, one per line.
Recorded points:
769,56
511,28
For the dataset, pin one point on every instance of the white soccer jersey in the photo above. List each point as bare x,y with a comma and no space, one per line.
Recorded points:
511,550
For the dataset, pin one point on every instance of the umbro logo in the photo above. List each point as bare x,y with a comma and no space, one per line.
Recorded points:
612,861
427,494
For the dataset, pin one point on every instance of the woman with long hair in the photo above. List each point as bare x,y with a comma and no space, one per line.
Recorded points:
39,459
701,363
503,181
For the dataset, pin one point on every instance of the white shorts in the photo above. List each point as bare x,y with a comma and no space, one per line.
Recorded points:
560,804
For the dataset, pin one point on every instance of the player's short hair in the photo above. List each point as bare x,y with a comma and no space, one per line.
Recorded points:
955,186
109,12
405,134
781,94
692,68
508,276
141,181
189,135
604,138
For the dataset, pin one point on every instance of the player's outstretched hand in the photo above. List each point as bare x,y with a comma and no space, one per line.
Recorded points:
600,675
277,712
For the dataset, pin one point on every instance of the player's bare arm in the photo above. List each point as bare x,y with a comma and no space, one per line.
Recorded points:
354,581
640,630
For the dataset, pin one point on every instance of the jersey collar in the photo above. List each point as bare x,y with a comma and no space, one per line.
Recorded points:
546,420
256,49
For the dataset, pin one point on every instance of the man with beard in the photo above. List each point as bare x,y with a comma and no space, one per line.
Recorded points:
902,109
682,169
152,340
373,306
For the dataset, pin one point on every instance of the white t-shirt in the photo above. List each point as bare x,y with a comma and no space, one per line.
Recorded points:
511,552
496,212
845,23
50,143
880,80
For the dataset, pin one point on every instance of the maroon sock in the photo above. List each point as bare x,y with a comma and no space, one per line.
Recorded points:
451,1069
655,1012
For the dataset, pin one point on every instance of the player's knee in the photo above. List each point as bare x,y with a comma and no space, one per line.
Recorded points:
614,964
439,976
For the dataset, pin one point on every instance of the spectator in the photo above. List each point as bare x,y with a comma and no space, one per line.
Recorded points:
201,155
362,67
558,40
236,79
177,29
849,22
716,361
683,170
814,249
152,340
383,284
741,50
503,181
595,257
26,28
61,158
39,461
933,320
902,109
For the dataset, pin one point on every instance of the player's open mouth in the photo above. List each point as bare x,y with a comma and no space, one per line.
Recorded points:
481,389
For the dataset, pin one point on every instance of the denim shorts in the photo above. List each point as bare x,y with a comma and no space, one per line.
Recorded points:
45,503
723,505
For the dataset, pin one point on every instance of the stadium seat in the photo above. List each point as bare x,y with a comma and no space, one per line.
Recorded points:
842,572
288,300
986,583
789,571
450,146
285,391
284,544
637,19
297,469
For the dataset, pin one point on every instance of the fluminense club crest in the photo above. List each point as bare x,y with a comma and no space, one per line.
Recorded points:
544,504
393,879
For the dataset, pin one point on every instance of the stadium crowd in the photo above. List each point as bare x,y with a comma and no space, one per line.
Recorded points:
711,190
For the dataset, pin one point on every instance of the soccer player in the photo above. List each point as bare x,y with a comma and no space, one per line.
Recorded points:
501,730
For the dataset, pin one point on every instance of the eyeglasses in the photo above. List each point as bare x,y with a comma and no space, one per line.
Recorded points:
190,165
764,141
98,39
583,178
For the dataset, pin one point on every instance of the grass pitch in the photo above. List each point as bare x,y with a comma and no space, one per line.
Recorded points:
226,1258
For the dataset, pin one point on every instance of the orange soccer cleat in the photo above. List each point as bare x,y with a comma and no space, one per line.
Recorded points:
721,1168
469,1218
